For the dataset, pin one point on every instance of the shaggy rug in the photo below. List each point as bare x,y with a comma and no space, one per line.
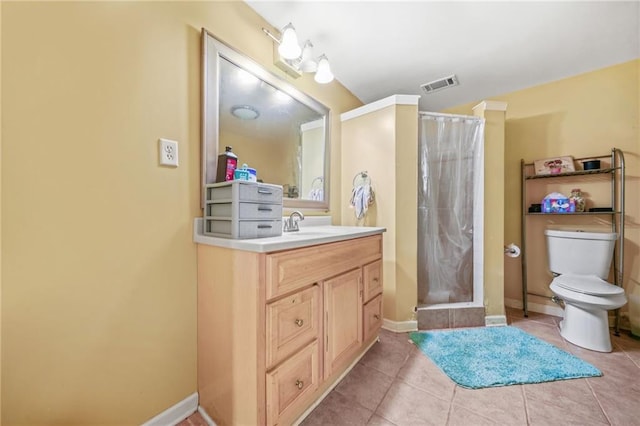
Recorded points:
498,356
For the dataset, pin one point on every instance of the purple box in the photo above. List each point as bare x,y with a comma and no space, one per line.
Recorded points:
558,205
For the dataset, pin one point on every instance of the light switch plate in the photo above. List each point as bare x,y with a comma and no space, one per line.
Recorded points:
168,152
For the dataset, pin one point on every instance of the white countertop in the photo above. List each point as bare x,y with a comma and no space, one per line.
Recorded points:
309,235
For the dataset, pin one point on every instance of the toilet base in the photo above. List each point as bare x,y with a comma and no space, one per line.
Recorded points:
587,328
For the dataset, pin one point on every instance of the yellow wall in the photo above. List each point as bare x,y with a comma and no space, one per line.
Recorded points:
581,116
0,218
381,143
98,264
493,232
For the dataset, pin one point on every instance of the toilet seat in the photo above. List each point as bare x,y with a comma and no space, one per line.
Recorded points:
587,284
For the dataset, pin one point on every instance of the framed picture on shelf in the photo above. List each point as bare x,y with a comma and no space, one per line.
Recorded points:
554,166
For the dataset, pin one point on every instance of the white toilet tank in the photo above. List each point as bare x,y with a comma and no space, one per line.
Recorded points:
577,252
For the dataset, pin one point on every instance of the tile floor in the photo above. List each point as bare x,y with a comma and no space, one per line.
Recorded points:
395,384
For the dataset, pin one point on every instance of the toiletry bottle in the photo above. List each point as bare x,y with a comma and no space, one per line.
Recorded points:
227,164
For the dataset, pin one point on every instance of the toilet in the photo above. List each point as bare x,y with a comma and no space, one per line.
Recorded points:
580,262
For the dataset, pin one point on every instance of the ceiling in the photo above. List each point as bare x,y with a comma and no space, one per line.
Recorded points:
379,48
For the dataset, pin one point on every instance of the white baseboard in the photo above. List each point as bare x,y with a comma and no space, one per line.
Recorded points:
206,417
495,320
535,307
399,326
175,414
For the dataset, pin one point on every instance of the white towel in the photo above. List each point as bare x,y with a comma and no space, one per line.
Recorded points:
316,194
361,198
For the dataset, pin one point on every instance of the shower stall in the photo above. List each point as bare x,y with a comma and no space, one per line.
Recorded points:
450,220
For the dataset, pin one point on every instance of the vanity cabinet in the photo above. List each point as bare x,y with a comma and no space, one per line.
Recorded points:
277,330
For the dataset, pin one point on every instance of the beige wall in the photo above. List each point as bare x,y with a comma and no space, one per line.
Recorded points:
382,143
0,218
581,116
263,153
98,265
493,232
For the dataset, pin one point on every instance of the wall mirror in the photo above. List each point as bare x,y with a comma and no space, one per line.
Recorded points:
270,125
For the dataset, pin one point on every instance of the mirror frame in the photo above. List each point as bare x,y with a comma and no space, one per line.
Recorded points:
212,50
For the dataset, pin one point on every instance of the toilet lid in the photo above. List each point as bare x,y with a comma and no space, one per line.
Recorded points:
587,284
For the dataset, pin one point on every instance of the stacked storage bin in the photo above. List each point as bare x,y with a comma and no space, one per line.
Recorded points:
241,209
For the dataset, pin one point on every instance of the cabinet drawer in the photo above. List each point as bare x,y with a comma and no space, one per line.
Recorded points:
291,384
372,279
245,210
236,191
292,322
372,312
261,193
290,270
242,229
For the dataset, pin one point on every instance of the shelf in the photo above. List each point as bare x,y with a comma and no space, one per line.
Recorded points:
576,173
615,174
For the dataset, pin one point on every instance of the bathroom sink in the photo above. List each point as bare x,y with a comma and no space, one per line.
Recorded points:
321,231
306,236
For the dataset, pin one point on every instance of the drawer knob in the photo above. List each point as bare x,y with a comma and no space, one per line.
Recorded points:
375,280
299,322
376,316
299,384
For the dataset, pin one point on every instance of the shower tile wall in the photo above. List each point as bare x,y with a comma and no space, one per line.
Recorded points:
430,319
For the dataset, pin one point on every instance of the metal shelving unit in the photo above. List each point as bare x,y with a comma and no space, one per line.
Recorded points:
617,173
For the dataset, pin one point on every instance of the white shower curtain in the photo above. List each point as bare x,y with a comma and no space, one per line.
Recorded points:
450,151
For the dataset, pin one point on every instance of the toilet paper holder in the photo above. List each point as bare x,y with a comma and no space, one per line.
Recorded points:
512,250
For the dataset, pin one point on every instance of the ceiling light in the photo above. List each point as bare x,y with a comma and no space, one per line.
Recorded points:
289,48
324,74
245,112
294,61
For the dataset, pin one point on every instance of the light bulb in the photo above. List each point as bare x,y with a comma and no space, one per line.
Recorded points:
307,63
289,48
324,74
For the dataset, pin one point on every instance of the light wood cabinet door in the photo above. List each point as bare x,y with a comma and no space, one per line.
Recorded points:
343,319
372,279
372,317
291,384
292,322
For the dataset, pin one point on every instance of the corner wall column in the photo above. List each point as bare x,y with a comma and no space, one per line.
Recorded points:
494,113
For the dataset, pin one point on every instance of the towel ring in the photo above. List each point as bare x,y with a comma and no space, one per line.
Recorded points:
317,182
364,178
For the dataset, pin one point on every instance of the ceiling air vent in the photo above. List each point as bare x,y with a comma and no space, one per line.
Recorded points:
440,84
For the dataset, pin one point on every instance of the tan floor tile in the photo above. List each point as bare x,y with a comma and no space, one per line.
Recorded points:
517,315
336,410
618,390
422,394
504,405
388,355
630,345
563,402
376,420
421,372
460,416
407,405
365,385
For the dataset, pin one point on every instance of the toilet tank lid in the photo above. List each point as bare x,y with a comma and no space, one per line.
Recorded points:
581,235
587,284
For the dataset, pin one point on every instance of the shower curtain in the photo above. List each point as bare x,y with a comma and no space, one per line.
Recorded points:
450,151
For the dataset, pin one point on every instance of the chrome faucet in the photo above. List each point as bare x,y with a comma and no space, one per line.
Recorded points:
291,224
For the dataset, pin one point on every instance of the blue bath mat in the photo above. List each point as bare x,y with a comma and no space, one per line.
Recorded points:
498,356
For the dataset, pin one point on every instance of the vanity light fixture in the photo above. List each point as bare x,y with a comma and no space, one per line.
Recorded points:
245,112
294,61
